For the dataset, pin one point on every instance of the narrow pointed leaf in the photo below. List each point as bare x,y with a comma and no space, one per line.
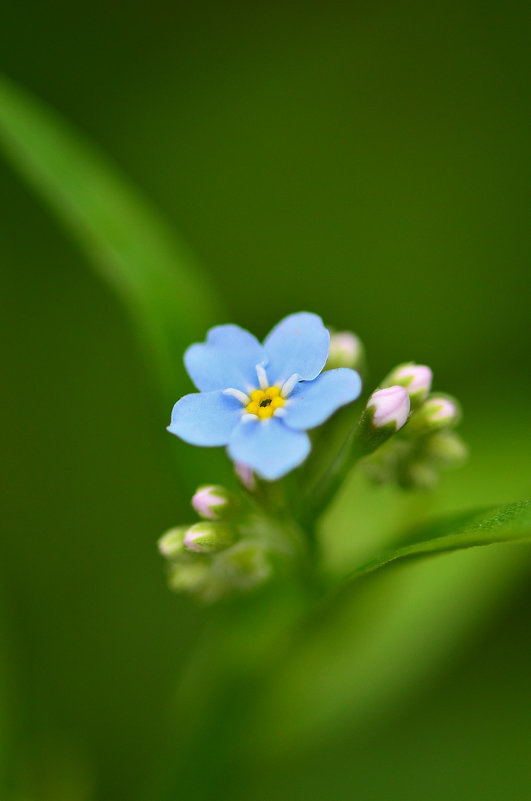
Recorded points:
508,523
125,240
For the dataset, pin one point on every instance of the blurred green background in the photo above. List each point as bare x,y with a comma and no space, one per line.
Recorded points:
364,161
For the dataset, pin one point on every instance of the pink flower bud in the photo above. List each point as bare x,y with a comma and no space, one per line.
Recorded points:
416,378
246,475
440,410
436,412
212,502
391,405
346,350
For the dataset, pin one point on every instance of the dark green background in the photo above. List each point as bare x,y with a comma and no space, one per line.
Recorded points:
364,161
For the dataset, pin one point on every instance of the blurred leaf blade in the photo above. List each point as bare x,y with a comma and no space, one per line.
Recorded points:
381,642
124,239
507,523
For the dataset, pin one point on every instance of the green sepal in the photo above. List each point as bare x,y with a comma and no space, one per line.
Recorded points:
209,537
368,437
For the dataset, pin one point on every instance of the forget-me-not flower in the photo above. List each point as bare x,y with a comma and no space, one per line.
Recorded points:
259,400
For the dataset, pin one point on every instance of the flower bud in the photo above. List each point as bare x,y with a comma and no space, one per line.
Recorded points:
446,447
346,350
189,576
171,544
207,537
416,378
215,503
419,475
247,564
436,412
387,410
391,406
246,475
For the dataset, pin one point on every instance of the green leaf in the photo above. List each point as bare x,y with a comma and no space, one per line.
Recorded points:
508,523
372,643
125,240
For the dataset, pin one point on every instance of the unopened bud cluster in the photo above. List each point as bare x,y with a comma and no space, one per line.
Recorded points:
423,446
215,557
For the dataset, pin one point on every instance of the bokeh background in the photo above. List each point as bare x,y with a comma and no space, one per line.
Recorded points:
364,161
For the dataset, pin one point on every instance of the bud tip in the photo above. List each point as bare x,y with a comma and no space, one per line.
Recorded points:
246,475
208,502
416,378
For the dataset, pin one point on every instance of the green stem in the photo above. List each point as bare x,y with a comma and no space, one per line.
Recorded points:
323,491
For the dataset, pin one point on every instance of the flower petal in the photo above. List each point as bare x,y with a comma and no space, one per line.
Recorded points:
298,344
228,358
312,402
205,418
269,447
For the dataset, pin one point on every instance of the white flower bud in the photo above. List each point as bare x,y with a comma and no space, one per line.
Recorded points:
214,502
437,411
171,544
416,378
346,350
207,537
390,405
387,410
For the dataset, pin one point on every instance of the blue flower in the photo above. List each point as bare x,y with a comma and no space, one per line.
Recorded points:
259,400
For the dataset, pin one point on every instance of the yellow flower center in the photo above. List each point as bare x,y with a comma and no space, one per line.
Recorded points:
264,402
